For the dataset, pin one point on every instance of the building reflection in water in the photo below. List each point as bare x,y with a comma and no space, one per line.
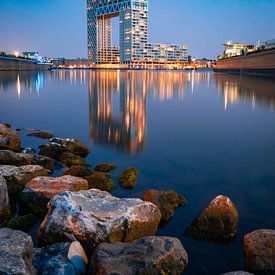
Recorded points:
133,88
256,91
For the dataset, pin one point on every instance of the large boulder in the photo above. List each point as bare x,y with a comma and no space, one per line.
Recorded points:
105,167
4,200
259,250
57,146
101,181
128,178
58,259
95,216
16,250
149,255
9,139
41,189
17,177
219,220
166,201
78,171
8,157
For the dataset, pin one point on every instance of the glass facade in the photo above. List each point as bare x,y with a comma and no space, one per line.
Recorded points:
133,34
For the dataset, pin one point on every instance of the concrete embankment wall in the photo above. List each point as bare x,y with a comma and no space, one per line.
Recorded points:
17,64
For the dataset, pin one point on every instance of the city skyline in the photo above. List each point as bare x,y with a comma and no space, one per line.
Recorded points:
57,30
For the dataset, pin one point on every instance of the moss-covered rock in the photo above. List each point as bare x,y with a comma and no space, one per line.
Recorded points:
78,171
128,178
219,220
105,167
41,134
23,223
166,201
101,181
70,159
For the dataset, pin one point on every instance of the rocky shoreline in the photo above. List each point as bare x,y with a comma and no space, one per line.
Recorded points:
83,229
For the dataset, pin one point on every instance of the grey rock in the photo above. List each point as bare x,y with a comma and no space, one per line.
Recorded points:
4,200
9,139
149,255
8,157
16,250
259,250
96,216
17,177
54,259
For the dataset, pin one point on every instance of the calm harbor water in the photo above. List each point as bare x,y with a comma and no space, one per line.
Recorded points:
201,134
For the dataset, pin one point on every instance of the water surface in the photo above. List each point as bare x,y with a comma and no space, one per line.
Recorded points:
201,134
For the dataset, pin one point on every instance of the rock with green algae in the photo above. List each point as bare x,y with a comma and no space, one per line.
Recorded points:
105,167
101,181
23,223
166,201
41,134
70,159
78,171
128,178
218,221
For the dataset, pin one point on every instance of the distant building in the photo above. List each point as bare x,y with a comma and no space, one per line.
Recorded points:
133,35
62,63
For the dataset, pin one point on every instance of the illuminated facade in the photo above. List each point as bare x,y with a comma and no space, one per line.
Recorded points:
133,34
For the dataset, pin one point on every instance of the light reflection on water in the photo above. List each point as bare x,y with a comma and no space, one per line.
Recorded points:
199,133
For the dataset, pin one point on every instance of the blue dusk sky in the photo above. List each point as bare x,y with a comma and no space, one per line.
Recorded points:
57,28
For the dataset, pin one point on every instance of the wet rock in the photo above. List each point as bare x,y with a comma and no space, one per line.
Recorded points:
219,220
237,273
4,201
41,189
149,255
41,134
105,167
128,178
54,259
166,201
9,139
28,150
46,162
101,181
78,171
8,125
57,146
17,177
70,159
15,252
8,157
95,216
23,223
259,250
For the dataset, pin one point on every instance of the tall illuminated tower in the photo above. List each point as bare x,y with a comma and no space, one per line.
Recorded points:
133,29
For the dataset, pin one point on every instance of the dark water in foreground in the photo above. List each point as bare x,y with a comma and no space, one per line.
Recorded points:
201,134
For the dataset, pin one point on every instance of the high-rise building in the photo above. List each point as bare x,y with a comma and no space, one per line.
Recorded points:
133,34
